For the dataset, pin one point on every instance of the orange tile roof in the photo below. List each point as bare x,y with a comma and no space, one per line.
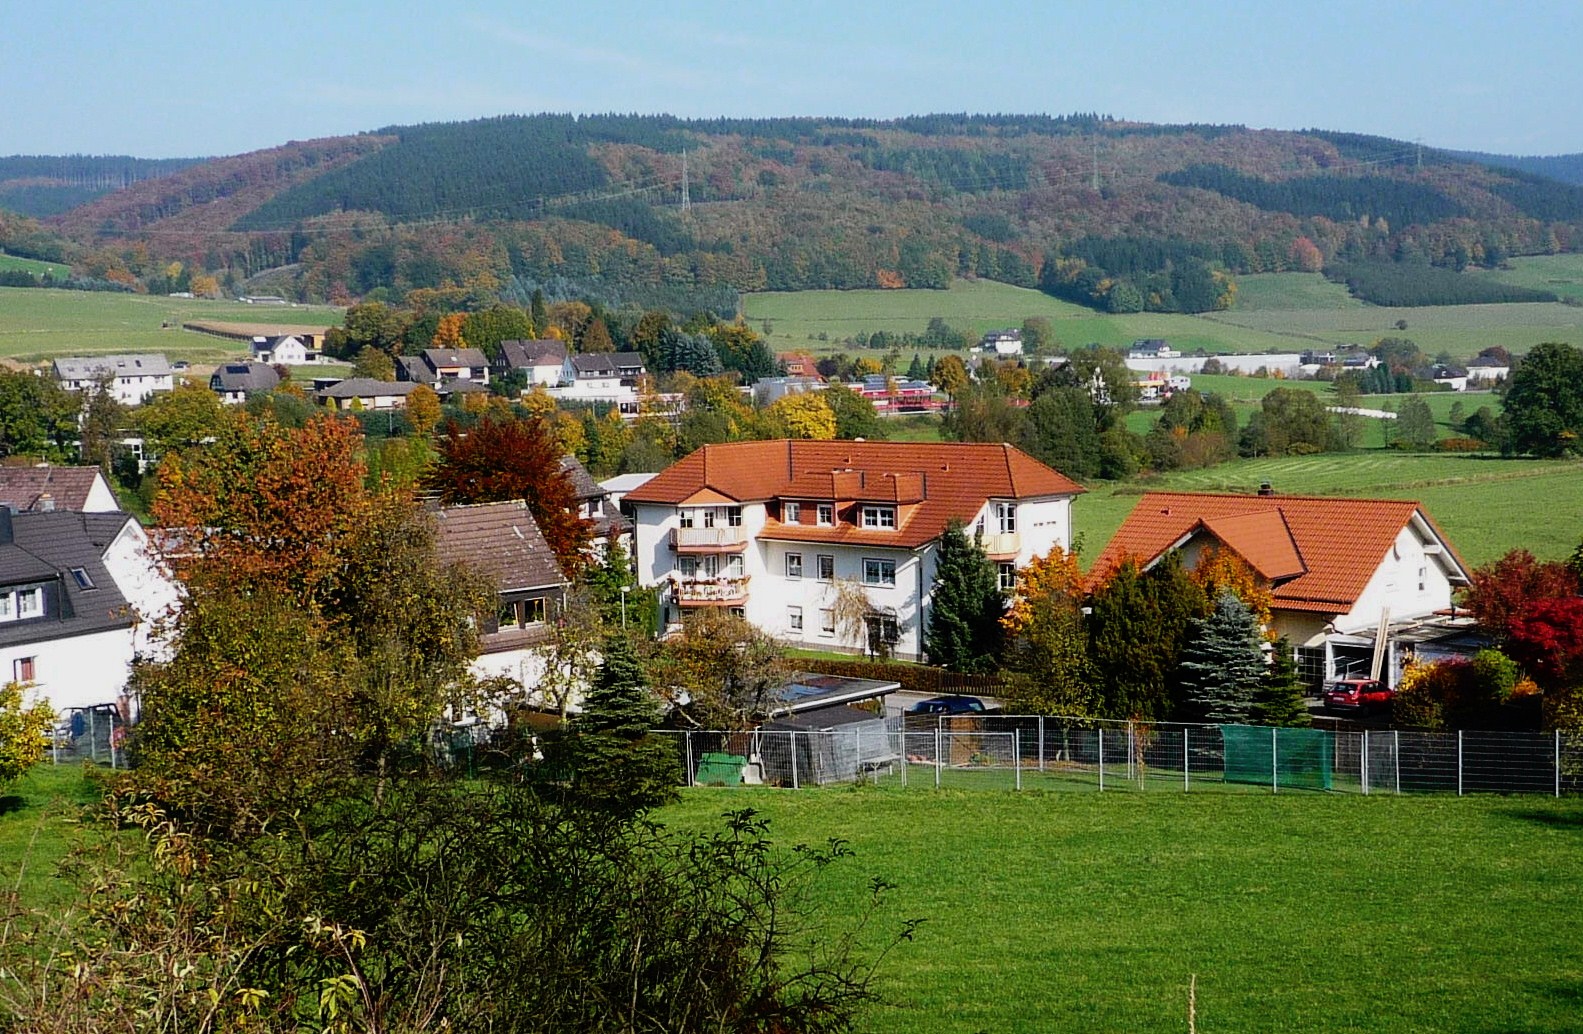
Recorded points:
1320,551
949,480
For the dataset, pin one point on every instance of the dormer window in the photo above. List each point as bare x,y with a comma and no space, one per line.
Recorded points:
826,514
791,513
21,604
1006,516
882,518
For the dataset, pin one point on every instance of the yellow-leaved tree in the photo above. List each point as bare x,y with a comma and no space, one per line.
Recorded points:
23,729
1221,570
806,415
1046,658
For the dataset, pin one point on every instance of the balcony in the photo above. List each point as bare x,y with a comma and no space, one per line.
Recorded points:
1002,546
709,540
710,592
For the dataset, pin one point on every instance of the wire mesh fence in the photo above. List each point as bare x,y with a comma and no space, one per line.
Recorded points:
1015,752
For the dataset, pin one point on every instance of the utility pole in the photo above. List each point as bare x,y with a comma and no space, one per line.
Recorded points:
687,201
1419,159
1096,165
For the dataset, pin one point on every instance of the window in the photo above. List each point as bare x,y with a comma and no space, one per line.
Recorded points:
709,517
827,621
793,565
826,567
882,517
1423,576
687,566
1006,514
29,603
734,516
686,518
879,572
734,567
533,611
794,618
24,670
1311,667
7,606
80,576
791,513
826,514
1008,577
507,618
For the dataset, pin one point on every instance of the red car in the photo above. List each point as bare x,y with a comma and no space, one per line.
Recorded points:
1357,695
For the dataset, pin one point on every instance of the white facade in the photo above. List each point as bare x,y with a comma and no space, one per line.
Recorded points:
135,378
146,584
788,587
76,671
286,351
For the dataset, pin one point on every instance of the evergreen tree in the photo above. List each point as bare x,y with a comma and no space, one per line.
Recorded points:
617,765
964,625
1279,700
539,312
916,371
1137,628
1222,667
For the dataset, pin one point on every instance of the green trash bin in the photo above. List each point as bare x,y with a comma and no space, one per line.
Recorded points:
720,770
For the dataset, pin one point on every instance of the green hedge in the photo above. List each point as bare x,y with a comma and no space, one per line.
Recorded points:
914,678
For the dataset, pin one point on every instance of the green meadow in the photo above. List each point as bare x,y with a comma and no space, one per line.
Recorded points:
1051,911
34,266
38,323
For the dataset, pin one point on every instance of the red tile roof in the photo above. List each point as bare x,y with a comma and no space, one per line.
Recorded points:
1320,551
949,480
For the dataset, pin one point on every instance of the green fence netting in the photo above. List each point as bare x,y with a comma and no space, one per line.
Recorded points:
1298,758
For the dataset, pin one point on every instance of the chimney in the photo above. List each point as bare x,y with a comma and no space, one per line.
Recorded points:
46,503
1265,488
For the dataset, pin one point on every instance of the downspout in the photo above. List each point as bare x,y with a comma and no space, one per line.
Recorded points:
921,553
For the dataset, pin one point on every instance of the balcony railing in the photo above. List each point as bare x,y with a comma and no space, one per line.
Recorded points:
709,540
1006,543
710,592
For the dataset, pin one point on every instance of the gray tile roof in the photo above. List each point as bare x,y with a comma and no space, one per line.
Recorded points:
519,355
79,368
448,357
500,540
582,481
366,387
607,364
42,549
244,377
21,487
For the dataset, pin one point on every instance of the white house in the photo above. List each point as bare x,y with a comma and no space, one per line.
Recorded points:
542,360
602,377
134,378
367,392
1486,371
1152,348
1344,574
779,530
80,597
1002,342
284,349
234,382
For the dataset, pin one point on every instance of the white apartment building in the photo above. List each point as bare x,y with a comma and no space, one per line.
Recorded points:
779,530
132,379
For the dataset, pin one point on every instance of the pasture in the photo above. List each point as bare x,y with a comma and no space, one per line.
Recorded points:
34,266
1054,911
1559,274
38,323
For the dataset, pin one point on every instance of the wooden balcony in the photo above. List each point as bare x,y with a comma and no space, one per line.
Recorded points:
709,540
710,592
1002,546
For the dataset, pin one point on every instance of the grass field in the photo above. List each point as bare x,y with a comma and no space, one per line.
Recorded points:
1057,912
1561,274
1283,312
34,266
36,323
1485,505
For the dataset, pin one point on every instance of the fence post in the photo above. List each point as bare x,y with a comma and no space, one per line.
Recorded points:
937,738
1187,762
1016,754
1396,757
793,735
1459,762
1101,759
901,741
1363,763
1041,743
690,781
93,744
1275,768
1558,763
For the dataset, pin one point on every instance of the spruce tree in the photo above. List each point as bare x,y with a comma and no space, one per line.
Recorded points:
1137,629
1222,667
917,371
964,623
617,765
1279,700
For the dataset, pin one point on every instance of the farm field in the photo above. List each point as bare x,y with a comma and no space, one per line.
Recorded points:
1052,911
1276,312
37,323
1561,274
34,266
1484,504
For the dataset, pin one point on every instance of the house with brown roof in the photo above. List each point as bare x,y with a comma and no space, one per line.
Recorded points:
779,530
542,360
1354,582
79,489
502,542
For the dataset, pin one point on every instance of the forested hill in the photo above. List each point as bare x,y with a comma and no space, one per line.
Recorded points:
1117,214
41,185
1568,168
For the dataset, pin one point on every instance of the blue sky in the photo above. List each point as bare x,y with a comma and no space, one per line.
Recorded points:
184,79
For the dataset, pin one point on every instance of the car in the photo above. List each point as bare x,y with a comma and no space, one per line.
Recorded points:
1357,695
949,705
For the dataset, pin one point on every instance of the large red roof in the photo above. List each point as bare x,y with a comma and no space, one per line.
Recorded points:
947,480
1319,551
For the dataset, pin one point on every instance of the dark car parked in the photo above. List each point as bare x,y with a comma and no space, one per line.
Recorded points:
948,705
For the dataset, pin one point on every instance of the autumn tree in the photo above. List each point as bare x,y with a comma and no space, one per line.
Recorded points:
24,729
448,332
1046,663
174,420
513,458
423,409
806,415
1499,591
373,363
595,337
950,375
964,632
1221,570
721,671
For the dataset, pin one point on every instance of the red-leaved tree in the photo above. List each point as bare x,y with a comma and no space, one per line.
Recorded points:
1546,637
514,458
1499,591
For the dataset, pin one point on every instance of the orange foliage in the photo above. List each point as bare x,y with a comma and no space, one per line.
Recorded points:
1056,574
449,332
1221,570
889,279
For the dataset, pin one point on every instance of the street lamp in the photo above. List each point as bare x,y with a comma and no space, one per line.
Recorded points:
624,590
